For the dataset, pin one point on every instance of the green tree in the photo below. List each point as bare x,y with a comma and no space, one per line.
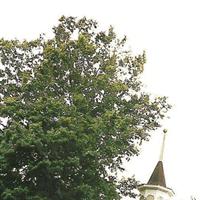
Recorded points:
74,110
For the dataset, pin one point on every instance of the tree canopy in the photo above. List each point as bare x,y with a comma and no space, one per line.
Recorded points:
72,109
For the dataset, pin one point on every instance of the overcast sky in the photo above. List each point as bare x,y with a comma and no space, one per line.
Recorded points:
169,31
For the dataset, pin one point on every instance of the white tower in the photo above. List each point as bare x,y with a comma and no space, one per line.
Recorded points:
156,188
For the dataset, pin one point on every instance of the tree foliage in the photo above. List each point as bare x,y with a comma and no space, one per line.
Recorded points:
74,109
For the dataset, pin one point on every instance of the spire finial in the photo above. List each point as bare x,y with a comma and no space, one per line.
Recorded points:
163,145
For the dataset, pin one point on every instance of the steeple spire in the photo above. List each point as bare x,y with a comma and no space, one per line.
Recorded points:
163,145
156,188
158,175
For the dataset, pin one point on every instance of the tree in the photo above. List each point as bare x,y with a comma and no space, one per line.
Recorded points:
74,110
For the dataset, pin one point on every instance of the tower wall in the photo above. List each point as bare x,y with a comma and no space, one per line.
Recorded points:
150,192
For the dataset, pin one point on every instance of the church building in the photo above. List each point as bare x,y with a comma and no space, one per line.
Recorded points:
156,188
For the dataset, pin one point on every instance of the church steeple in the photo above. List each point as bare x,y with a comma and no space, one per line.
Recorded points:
156,188
158,176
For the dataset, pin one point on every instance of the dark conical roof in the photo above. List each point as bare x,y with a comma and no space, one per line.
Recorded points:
158,176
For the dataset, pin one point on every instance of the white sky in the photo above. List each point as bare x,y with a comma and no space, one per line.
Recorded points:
169,31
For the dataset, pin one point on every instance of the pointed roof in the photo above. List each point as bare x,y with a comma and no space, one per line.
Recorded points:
158,176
